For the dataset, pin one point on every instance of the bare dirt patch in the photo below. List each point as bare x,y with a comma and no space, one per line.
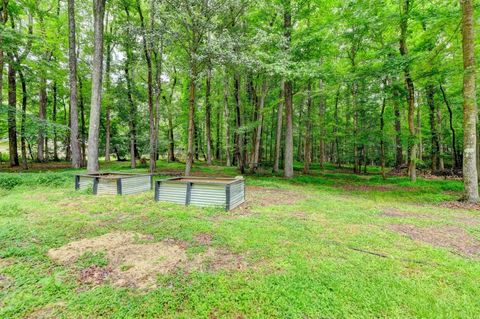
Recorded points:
94,275
215,259
460,205
453,238
203,238
135,261
264,196
5,281
131,264
394,212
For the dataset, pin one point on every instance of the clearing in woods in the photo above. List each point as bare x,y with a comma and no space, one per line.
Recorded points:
331,245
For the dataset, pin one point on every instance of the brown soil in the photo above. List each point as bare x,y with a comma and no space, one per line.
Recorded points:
460,205
5,281
203,238
94,275
135,261
394,212
459,218
264,196
131,264
215,259
454,238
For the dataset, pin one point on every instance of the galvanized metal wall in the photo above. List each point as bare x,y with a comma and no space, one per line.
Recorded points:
208,195
172,192
237,194
107,186
85,182
138,184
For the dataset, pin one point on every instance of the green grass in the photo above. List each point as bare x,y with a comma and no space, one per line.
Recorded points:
305,259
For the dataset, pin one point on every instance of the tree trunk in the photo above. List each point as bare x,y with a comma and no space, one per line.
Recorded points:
12,113
307,144
411,92
398,130
82,123
108,100
191,119
321,114
335,130
259,130
97,74
239,152
469,104
441,165
72,58
435,148
42,112
208,110
226,121
54,119
151,109
171,140
382,133
278,134
288,161
456,159
23,121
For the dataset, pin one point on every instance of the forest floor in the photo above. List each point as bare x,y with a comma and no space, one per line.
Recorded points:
329,245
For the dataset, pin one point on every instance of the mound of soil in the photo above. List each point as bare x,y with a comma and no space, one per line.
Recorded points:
135,261
453,238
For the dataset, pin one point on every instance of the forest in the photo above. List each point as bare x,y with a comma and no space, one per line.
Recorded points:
357,83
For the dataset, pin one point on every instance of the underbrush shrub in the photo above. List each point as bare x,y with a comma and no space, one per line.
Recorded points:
10,181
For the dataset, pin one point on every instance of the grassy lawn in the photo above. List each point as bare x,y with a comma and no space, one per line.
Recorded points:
329,245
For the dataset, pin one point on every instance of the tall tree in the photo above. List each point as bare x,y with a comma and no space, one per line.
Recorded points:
72,64
287,28
97,74
412,139
470,176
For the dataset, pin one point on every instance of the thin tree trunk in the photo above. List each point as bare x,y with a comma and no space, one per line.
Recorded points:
398,130
382,133
72,58
434,155
470,176
12,113
307,144
54,119
42,112
278,134
321,114
97,74
441,165
208,110
82,124
226,121
191,118
258,137
335,129
23,120
171,140
456,159
239,151
411,92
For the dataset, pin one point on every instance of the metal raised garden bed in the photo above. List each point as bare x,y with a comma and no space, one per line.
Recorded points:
114,183
202,191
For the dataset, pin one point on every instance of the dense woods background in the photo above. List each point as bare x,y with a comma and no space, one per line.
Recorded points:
256,84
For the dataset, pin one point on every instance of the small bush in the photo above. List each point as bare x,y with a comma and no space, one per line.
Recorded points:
10,181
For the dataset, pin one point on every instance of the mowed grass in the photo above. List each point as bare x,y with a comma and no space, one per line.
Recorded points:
322,247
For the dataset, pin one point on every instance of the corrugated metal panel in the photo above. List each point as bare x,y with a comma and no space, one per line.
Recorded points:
172,192
208,195
237,194
107,186
133,185
85,182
